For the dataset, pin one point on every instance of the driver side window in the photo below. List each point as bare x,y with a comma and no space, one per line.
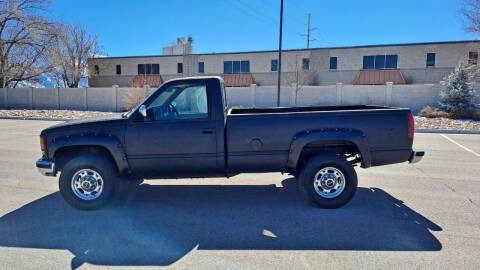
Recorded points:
181,101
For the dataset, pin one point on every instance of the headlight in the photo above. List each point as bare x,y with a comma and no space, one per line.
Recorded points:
42,143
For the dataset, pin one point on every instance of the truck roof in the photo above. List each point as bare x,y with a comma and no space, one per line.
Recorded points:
195,77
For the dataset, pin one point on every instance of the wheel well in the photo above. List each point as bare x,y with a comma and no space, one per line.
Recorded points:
345,149
65,154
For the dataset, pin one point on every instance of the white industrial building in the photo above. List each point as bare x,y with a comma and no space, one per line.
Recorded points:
411,63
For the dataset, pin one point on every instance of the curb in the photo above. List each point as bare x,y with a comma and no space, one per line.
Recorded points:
447,131
34,118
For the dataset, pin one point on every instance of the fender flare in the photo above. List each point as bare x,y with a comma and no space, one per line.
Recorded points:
355,137
107,141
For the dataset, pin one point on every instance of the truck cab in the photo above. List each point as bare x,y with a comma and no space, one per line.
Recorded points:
179,131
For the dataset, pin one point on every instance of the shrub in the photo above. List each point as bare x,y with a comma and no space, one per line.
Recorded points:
476,115
462,114
457,96
430,112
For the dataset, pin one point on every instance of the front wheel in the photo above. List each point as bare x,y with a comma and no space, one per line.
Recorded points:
87,182
328,180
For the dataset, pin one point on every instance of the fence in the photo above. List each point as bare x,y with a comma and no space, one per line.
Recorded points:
414,96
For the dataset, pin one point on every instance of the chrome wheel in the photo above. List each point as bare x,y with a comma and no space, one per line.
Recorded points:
87,184
329,182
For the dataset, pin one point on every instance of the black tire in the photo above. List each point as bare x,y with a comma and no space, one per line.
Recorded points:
322,161
99,164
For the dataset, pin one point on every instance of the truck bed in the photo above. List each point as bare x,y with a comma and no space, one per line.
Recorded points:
259,139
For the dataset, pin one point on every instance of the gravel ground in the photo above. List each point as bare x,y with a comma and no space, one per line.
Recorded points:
445,123
420,122
59,114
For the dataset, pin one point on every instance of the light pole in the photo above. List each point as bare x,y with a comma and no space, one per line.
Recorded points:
280,54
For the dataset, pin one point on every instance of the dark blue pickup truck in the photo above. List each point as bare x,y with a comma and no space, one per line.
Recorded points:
184,129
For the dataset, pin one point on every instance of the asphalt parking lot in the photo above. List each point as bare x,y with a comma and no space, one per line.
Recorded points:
422,216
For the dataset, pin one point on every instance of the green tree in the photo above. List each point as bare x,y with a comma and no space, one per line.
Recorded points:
458,94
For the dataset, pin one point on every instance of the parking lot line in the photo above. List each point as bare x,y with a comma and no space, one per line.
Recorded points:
465,148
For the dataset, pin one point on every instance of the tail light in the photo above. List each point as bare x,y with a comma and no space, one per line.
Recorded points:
411,125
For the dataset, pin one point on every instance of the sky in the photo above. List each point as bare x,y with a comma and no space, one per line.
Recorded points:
143,27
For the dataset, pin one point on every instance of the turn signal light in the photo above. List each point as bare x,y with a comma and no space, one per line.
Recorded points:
42,143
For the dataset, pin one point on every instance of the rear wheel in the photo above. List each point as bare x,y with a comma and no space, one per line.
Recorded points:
328,180
87,182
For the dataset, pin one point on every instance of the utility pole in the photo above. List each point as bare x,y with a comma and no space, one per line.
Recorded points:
308,32
280,55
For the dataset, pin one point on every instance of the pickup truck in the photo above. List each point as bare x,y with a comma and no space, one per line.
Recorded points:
184,129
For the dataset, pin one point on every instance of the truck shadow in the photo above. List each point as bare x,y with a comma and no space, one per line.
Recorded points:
158,225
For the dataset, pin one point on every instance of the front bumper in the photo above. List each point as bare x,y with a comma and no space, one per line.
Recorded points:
46,167
416,156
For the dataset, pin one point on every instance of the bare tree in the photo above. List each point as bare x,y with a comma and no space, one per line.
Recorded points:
25,38
73,46
301,77
471,13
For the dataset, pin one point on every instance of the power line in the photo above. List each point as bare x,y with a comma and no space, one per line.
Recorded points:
248,10
285,13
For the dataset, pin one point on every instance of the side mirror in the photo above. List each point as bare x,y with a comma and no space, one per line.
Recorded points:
143,111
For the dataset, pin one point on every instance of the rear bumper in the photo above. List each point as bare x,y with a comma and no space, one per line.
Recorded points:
416,156
46,167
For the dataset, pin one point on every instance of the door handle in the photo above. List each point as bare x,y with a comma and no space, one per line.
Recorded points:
208,131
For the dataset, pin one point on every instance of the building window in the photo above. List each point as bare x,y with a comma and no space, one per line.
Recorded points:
236,67
119,70
368,62
148,69
245,67
305,64
380,61
141,69
155,68
96,70
430,59
201,67
391,61
333,63
179,67
274,65
472,58
227,67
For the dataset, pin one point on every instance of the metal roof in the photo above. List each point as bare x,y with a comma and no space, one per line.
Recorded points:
293,50
379,76
150,80
238,79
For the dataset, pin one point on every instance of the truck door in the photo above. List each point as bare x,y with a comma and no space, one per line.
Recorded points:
178,137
